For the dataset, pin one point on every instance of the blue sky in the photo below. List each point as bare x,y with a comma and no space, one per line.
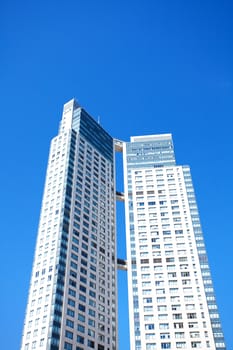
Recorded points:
142,67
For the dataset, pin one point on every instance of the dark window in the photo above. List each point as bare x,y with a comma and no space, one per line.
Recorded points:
91,344
68,346
80,339
81,307
82,288
69,334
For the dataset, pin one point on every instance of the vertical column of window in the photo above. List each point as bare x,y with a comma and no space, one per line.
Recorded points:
93,227
137,331
205,270
71,275
78,274
176,288
101,232
132,257
133,220
58,289
56,307
113,252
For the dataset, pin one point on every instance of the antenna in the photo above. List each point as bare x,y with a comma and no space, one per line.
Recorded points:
98,119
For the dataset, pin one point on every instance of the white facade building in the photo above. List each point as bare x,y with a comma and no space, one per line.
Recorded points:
171,299
72,300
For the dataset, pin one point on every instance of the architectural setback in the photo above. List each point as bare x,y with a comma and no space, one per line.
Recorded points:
72,302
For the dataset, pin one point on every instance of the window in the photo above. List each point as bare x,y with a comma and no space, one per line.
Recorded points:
150,336
178,325
80,339
81,328
176,307
70,312
81,318
72,292
162,316
70,323
150,346
194,334
195,344
71,302
165,336
163,326
149,326
68,346
177,316
192,324
173,290
69,334
81,307
91,322
179,334
147,300
82,297
91,344
161,299
162,308
91,312
91,333
165,345
181,345
160,291
148,317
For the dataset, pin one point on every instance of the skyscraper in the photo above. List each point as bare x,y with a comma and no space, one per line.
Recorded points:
171,297
72,301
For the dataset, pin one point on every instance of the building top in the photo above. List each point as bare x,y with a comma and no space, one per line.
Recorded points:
150,151
75,118
146,138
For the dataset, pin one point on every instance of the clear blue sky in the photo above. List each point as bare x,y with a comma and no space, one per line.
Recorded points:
143,67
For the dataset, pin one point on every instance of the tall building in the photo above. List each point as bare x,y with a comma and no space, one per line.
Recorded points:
72,301
171,297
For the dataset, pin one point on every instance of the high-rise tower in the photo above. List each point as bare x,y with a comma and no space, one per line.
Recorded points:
171,298
72,300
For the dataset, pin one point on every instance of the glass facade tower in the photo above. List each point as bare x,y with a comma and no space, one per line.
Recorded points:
171,298
72,302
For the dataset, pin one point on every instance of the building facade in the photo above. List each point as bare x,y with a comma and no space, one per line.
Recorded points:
72,302
171,298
